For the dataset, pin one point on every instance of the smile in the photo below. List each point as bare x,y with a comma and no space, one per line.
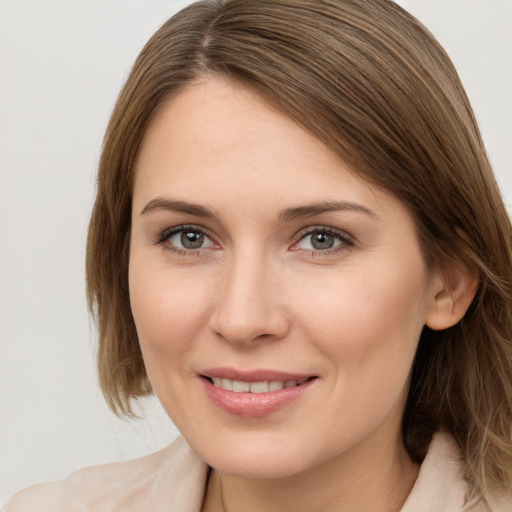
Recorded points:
255,387
254,394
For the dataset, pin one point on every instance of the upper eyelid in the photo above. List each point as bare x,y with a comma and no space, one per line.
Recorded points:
335,231
163,240
346,239
166,233
297,237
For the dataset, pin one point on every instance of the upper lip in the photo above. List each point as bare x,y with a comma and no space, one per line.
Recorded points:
261,375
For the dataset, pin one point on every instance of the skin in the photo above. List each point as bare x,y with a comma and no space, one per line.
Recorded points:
259,295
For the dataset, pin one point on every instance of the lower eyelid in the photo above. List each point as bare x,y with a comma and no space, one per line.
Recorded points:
164,240
345,241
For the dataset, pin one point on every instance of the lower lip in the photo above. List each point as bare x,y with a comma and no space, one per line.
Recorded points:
253,405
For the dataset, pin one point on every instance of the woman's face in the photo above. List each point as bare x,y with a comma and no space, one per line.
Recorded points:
278,298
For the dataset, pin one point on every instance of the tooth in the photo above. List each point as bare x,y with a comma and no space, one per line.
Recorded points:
259,387
241,387
256,387
276,385
227,384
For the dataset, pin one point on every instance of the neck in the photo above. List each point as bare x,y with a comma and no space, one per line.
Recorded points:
376,477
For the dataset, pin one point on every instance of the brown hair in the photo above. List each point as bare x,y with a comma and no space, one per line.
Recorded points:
371,82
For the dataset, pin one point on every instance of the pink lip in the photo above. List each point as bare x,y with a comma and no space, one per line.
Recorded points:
253,405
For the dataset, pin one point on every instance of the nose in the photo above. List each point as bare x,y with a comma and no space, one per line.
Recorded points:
250,305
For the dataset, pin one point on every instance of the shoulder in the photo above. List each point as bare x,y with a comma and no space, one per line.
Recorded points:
170,480
441,485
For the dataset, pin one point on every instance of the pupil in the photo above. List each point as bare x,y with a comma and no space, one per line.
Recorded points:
321,240
192,239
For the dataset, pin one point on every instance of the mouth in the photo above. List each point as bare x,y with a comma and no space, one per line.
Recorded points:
264,386
254,394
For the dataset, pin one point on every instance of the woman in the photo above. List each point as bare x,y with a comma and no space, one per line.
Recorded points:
299,246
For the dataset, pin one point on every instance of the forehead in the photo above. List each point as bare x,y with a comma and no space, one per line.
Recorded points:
216,118
221,143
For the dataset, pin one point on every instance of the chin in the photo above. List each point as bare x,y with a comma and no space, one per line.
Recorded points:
257,465
258,455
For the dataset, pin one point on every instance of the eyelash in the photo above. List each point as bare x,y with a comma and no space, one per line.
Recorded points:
346,241
168,233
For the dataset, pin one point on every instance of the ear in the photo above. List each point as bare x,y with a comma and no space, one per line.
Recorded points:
452,291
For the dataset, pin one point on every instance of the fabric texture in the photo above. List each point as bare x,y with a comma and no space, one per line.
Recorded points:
174,480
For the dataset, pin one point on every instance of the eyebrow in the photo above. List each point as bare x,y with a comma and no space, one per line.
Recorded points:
319,208
297,212
160,203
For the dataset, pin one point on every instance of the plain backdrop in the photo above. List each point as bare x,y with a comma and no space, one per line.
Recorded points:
62,63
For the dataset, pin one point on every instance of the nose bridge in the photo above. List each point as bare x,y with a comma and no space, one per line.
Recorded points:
249,305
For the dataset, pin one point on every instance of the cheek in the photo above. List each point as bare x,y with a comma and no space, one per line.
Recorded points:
368,323
169,309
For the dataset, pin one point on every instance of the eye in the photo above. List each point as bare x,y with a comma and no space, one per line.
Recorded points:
319,241
187,239
322,239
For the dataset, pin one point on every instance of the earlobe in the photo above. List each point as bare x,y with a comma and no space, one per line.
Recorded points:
452,292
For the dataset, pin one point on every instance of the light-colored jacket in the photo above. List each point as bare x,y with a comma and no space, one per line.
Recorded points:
174,479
